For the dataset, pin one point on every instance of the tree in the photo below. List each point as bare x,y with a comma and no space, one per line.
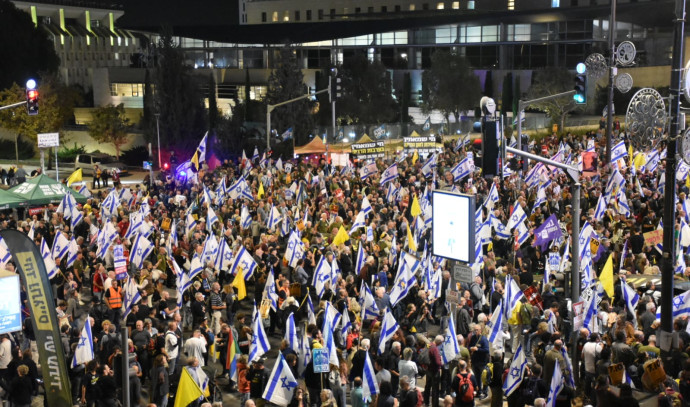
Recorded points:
450,85
109,125
287,82
56,108
367,93
552,81
213,112
179,100
26,49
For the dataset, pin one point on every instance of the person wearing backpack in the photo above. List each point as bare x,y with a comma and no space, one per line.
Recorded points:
463,386
408,395
531,388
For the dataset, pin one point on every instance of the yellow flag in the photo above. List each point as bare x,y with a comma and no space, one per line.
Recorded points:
410,240
415,210
238,282
639,161
195,161
630,154
687,181
341,237
75,177
415,157
261,192
187,390
606,276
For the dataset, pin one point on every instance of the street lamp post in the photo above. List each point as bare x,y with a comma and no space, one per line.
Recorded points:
158,133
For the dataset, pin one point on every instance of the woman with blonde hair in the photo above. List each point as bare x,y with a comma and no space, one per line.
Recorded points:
327,399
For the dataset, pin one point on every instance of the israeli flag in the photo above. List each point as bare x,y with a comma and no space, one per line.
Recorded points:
681,305
388,328
60,246
682,171
651,161
367,170
329,326
462,169
517,217
141,249
493,198
601,208
511,296
556,385
404,280
623,207
245,219
523,233
619,152
369,384
51,267
256,154
72,252
568,368
210,251
361,258
245,261
366,299
273,218
616,182
389,174
224,256
500,230
196,267
359,222
450,348
84,351
516,372
190,223
310,311
345,324
322,274
429,166
495,324
366,206
131,296
281,385
211,218
135,222
259,345
270,290
392,193
84,191
304,354
295,249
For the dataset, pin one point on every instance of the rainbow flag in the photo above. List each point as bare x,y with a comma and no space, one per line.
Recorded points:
233,355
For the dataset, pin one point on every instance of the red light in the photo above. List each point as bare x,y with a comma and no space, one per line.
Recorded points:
33,94
165,166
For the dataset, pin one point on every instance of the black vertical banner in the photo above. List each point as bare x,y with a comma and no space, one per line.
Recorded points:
42,307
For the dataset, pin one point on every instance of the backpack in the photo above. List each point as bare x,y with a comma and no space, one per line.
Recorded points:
420,398
525,314
487,374
423,359
540,352
529,390
466,388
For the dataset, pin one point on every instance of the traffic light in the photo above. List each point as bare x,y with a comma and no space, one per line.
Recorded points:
580,95
31,98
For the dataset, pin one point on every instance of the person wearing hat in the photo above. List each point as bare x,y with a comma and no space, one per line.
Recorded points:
257,376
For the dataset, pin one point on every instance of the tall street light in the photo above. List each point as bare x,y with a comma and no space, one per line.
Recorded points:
158,132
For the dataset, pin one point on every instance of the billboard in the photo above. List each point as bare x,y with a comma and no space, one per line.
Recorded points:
11,306
453,228
368,150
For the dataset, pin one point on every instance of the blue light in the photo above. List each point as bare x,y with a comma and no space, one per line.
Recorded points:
30,84
183,174
579,98
581,68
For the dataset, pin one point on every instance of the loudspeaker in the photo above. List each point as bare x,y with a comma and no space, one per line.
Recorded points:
489,147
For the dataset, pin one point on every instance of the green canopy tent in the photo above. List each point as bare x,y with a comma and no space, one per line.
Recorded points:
43,190
9,200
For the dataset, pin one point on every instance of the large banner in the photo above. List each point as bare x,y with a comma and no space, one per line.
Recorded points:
368,150
42,307
423,144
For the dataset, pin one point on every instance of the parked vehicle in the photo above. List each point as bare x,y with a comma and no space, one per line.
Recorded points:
106,163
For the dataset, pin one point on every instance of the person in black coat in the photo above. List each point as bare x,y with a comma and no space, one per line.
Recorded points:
20,388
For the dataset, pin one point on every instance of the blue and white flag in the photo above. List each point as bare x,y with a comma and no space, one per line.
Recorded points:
245,261
427,124
681,305
556,385
500,229
245,219
518,216
366,206
270,290
429,166
287,134
623,207
389,174
190,223
224,256
72,252
51,267
361,258
392,193
210,251
388,328
601,208
256,154
281,384
359,222
511,296
369,384
449,349
651,161
682,171
516,372
345,324
570,379
462,169
84,351
304,354
616,182
60,246
619,152
295,249
404,280
495,324
367,170
259,344
130,296
328,330
274,218
211,218
368,303
141,249
322,275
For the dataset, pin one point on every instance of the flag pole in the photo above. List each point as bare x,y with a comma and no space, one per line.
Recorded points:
125,367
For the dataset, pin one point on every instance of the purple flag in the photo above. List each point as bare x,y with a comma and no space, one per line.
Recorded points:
548,231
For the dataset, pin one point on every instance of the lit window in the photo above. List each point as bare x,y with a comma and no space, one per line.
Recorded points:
456,5
555,3
511,4
412,7
470,5
286,15
440,6
274,18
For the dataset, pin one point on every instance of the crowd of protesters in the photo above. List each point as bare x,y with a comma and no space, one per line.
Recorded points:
317,200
